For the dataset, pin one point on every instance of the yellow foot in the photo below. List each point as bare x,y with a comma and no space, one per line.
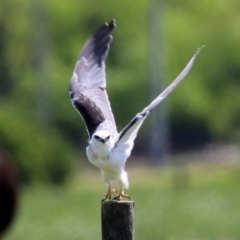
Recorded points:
121,195
109,194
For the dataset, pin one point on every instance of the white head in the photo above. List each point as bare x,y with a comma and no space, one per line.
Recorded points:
101,139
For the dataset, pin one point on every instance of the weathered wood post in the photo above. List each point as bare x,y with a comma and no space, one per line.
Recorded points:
118,220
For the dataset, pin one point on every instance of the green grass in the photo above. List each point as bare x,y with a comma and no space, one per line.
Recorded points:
194,202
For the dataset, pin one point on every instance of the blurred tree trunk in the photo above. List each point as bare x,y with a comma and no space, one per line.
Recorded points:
40,60
159,138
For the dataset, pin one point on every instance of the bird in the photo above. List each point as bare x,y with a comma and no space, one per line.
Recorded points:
107,148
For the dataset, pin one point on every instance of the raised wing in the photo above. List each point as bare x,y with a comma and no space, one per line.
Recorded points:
169,89
88,83
129,133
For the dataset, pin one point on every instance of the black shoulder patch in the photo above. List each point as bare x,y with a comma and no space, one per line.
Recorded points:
91,114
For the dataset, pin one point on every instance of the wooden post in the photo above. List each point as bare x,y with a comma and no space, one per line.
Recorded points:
118,220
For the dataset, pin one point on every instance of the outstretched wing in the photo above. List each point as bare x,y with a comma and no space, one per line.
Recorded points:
169,89
129,133
88,83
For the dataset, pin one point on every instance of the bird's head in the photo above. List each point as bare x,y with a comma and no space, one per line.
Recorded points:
101,138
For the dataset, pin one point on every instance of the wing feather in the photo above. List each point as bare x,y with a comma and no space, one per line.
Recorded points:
88,83
177,80
129,132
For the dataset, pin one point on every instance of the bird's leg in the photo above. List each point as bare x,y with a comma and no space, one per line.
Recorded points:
109,194
121,195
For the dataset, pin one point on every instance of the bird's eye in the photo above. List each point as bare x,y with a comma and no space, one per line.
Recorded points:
97,137
107,137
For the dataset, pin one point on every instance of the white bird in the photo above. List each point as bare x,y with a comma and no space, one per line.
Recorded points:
108,150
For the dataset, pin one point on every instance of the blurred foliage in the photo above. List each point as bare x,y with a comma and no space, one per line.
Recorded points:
205,107
211,97
39,154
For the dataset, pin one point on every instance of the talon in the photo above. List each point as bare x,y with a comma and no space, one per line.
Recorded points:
109,194
116,198
121,195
